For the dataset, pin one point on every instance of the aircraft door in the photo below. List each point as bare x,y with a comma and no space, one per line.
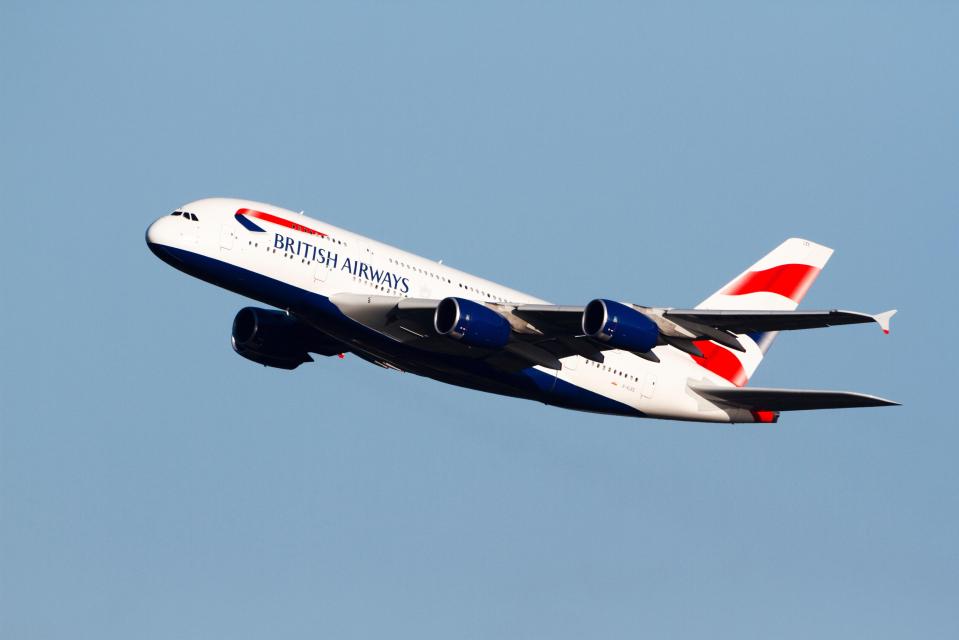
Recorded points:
320,271
649,385
226,237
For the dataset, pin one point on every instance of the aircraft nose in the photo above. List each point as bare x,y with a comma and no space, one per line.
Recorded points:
159,235
153,232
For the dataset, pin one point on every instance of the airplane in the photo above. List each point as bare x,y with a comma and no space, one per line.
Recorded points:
335,292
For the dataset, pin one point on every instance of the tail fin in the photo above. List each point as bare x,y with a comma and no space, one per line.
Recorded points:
778,282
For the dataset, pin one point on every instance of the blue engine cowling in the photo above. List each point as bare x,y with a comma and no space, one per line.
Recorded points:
471,323
276,339
620,326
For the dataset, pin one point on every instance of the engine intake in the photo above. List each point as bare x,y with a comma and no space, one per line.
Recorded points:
276,339
471,323
619,325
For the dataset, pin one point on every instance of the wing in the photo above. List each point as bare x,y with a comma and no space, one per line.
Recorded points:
759,399
760,321
566,320
543,334
680,327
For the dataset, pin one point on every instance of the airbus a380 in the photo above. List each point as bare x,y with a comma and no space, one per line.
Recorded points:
337,292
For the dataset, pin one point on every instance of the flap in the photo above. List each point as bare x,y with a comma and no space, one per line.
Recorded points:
552,319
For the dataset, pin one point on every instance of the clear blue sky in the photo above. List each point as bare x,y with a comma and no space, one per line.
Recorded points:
155,485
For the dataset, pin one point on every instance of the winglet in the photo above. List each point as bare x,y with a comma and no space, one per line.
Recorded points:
883,319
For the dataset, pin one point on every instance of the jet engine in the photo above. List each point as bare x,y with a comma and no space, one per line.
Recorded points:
275,339
471,323
620,325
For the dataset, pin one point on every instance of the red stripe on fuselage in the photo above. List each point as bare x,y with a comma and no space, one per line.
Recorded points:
720,361
283,222
788,280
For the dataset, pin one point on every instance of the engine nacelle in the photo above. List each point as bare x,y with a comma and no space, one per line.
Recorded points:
620,326
471,323
276,339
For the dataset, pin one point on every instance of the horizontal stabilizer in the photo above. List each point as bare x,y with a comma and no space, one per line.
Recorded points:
759,399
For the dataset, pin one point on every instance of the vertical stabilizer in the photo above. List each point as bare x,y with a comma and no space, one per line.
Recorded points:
778,282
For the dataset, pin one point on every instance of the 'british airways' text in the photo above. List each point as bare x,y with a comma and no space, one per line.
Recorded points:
331,259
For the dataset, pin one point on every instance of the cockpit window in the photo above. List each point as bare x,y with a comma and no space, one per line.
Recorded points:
194,218
177,213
